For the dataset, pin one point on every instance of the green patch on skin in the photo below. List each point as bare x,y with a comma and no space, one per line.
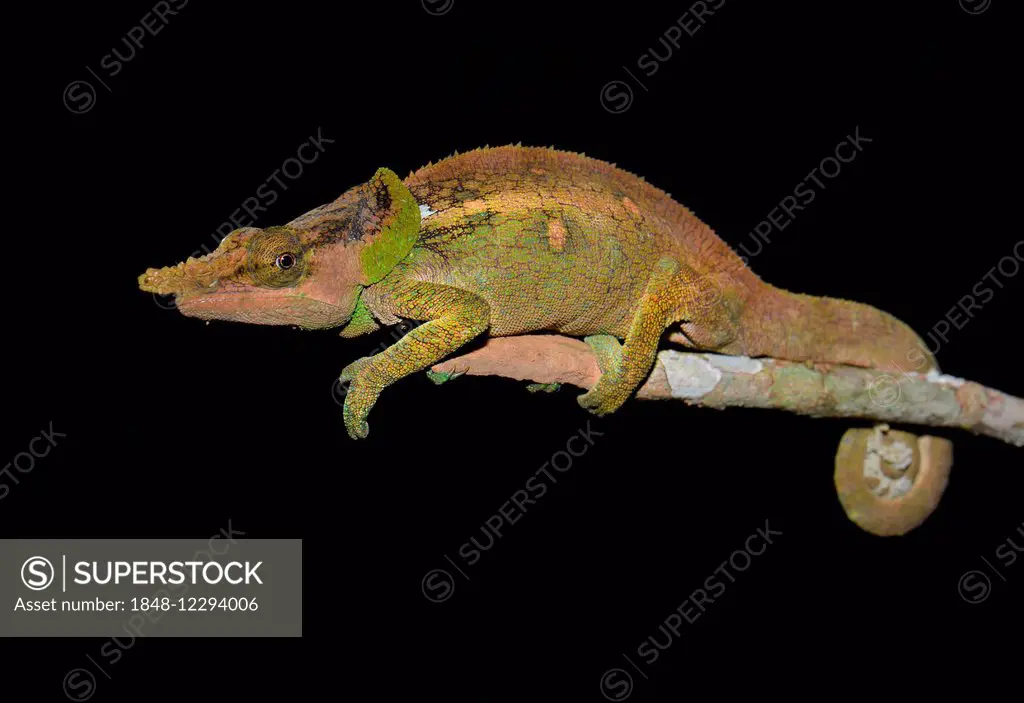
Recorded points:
362,322
543,387
398,233
439,377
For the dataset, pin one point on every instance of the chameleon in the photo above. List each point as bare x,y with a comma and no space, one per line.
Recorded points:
513,240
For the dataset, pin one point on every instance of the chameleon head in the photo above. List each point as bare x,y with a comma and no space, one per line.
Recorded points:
309,272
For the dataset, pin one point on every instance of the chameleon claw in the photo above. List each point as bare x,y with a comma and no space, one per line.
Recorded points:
597,402
359,399
355,422
358,430
543,387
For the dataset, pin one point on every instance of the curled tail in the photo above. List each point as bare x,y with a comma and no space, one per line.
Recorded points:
798,327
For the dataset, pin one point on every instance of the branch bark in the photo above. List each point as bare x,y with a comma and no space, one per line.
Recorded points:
717,381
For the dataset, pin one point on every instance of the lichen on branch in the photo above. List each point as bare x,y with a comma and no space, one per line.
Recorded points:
717,381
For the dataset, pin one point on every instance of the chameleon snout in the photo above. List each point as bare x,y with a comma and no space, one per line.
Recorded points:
174,280
158,281
194,275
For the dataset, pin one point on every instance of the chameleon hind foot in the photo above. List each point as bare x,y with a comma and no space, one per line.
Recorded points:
624,368
601,399
606,396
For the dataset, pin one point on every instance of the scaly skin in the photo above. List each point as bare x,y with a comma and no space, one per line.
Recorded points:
515,240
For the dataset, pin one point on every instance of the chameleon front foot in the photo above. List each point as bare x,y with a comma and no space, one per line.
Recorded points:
356,428
359,398
358,402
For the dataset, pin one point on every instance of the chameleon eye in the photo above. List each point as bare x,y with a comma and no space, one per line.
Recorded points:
275,258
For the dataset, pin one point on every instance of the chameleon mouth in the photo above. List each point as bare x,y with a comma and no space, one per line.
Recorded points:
223,294
237,306
234,302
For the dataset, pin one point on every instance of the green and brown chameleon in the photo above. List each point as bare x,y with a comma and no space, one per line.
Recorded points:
512,240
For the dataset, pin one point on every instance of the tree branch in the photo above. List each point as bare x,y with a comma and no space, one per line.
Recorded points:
716,381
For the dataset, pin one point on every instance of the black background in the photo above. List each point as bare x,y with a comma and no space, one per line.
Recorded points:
175,428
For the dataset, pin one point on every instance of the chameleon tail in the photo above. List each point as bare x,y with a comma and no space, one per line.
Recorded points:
799,327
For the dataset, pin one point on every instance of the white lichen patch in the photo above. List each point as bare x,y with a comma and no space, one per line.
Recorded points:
1006,414
689,375
901,487
934,376
735,364
897,454
426,212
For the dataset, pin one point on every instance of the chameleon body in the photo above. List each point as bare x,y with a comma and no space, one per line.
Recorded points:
513,240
